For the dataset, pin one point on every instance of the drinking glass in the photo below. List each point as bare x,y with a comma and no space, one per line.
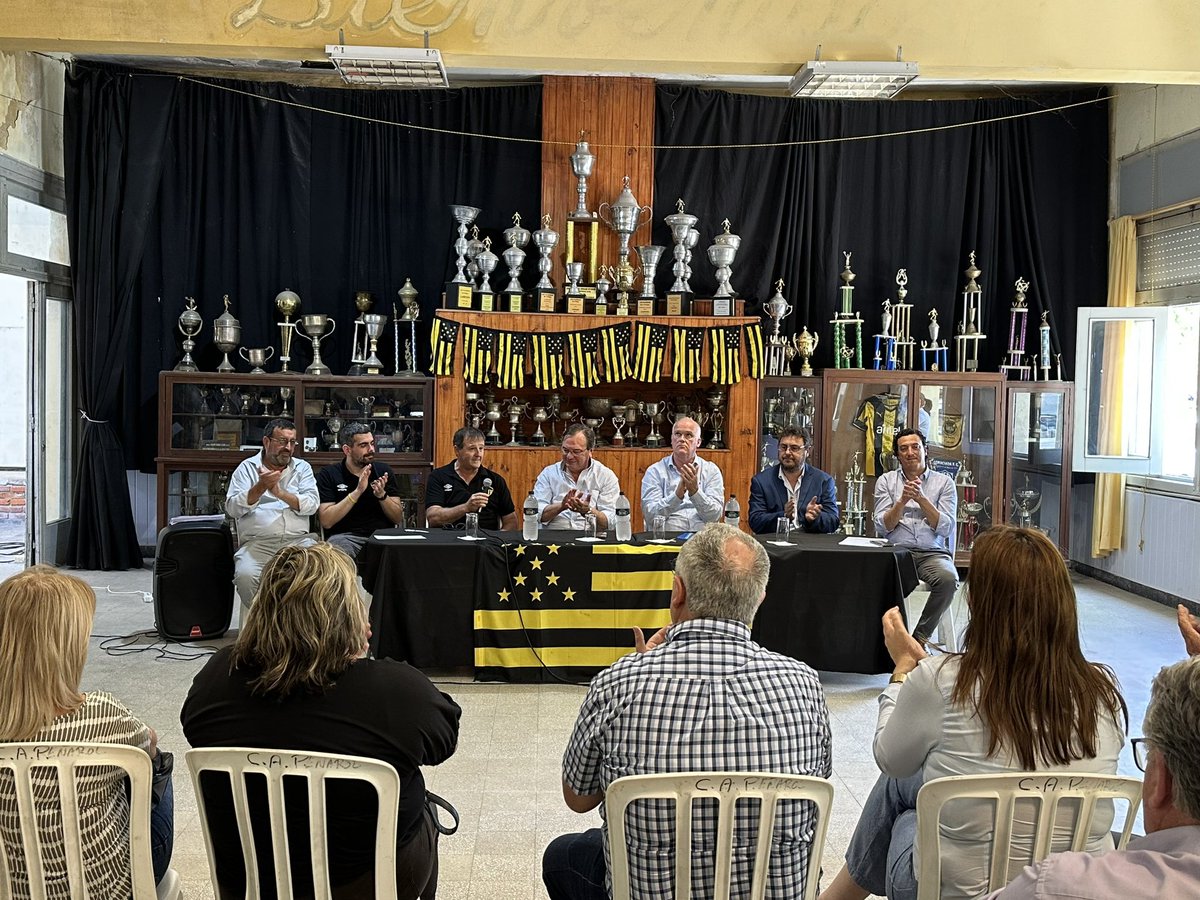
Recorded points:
660,528
589,526
472,529
783,528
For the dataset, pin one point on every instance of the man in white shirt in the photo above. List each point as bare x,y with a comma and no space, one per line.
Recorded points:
567,491
687,490
271,497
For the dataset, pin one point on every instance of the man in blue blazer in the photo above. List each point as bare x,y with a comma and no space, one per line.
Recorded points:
793,484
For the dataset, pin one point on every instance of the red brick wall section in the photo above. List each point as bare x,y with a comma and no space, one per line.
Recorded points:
12,499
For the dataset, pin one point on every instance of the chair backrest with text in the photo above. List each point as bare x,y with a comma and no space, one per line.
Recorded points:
271,767
1044,792
31,771
729,790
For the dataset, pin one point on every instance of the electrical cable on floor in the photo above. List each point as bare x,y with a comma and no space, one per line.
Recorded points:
147,597
164,648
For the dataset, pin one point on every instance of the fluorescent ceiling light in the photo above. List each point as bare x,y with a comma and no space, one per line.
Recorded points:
852,80
389,66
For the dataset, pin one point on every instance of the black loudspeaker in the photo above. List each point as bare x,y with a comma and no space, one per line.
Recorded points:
193,581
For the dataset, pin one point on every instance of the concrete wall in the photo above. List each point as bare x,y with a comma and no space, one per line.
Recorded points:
31,107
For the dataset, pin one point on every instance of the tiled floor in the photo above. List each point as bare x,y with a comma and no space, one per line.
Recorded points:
505,778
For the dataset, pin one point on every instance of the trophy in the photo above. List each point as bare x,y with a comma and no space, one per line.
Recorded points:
583,229
632,415
287,302
967,335
618,420
682,224
899,346
968,525
971,510
458,289
654,414
334,424
1044,347
939,354
884,340
1028,501
266,400
716,403
594,410
855,523
358,352
1018,318
517,238
545,239
516,408
539,414
777,307
226,407
721,254
285,394
314,325
366,405
846,318
649,257
572,293
493,415
603,283
486,261
257,359
582,163
227,334
624,217
190,324
804,345
412,312
373,325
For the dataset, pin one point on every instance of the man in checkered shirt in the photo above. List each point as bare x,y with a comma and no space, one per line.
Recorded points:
699,695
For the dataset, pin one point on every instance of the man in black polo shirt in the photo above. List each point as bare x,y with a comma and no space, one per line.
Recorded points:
358,495
466,486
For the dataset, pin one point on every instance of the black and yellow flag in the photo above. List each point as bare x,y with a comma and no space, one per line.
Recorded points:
477,353
755,365
510,360
583,358
442,339
614,350
686,346
726,354
566,608
547,352
649,345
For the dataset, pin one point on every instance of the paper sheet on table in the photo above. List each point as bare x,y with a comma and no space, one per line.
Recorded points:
467,537
399,537
661,541
589,540
863,542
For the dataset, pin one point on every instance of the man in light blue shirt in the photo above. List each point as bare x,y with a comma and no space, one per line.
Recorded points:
687,490
567,491
915,507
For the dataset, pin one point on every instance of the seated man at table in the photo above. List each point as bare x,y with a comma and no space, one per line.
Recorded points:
915,507
794,490
699,695
358,495
687,490
465,486
271,496
567,491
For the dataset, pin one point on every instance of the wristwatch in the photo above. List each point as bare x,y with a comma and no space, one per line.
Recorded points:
898,678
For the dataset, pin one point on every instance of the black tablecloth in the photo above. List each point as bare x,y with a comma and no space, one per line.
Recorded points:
823,604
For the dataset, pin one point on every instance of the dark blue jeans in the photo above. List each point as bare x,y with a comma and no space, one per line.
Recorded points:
573,867
162,831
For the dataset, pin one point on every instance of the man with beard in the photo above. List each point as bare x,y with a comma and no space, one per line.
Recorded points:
687,490
794,490
358,495
271,497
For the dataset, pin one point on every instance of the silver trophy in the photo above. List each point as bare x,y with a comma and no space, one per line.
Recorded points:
649,256
624,217
1028,500
574,273
855,513
722,254
716,403
411,314
486,261
373,325
288,303
227,334
681,224
516,409
778,361
654,415
257,359
474,247
314,325
366,405
545,239
493,414
517,238
582,163
464,216
358,351
190,324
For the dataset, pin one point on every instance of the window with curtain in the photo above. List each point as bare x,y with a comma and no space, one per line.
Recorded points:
1168,276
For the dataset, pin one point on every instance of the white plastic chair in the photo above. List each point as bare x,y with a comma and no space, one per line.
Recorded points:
726,788
1046,790
318,768
29,762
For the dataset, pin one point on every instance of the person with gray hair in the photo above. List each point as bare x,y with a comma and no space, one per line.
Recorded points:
358,495
466,486
568,491
700,695
1165,864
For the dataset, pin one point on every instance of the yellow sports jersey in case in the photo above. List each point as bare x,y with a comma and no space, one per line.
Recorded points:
879,419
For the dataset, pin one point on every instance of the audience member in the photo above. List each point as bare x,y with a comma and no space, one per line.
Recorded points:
685,489
358,495
271,497
915,507
699,695
794,490
45,620
297,678
465,486
1020,697
567,491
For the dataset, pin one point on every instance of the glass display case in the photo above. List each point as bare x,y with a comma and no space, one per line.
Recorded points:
789,402
209,422
1037,472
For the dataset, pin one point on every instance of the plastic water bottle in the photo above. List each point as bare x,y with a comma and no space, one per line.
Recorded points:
733,511
529,527
622,526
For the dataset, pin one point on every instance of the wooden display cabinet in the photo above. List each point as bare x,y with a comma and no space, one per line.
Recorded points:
1037,472
520,464
209,422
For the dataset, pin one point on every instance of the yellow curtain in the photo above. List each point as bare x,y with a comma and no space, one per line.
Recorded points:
1108,510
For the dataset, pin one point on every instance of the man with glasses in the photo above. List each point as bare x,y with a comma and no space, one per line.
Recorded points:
1165,864
271,497
793,490
689,492
567,491
465,486
358,495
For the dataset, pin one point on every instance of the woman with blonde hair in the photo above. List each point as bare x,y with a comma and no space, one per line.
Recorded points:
1019,697
298,678
45,621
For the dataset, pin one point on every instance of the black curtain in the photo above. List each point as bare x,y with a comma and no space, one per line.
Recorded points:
1027,194
111,187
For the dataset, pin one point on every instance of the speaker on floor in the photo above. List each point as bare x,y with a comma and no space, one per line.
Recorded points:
193,580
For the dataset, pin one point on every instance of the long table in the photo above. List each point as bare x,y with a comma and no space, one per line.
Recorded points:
438,601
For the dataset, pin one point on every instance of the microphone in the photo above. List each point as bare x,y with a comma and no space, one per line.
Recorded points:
487,486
